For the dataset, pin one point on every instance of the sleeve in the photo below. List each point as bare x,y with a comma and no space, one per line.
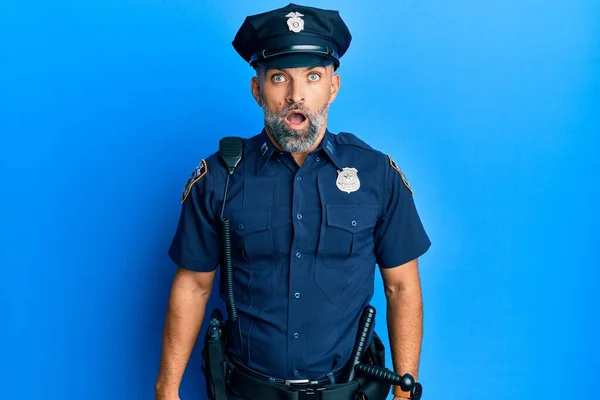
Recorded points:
400,236
196,244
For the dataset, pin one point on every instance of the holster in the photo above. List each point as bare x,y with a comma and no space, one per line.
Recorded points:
214,357
370,389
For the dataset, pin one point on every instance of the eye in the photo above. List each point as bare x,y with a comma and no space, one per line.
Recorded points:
278,78
314,77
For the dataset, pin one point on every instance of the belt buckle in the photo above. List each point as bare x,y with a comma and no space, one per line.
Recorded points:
306,389
291,382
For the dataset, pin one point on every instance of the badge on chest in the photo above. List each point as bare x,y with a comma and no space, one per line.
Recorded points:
347,180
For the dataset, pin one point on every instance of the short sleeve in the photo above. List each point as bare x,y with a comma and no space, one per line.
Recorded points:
400,236
196,244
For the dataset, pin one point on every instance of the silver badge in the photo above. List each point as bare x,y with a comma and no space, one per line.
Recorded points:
347,180
295,23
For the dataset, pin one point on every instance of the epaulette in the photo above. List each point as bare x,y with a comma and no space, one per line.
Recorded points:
353,140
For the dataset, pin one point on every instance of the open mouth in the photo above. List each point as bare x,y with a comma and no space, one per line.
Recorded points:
295,118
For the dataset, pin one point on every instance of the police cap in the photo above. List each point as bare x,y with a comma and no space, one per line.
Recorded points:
293,36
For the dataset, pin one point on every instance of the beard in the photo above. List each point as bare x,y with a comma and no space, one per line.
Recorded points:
292,140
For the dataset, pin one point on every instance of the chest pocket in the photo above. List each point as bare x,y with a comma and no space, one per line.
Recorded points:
252,239
348,234
347,252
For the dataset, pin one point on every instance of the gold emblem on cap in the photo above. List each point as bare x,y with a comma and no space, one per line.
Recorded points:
347,180
295,23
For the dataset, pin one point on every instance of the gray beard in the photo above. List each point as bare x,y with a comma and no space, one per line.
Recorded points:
295,141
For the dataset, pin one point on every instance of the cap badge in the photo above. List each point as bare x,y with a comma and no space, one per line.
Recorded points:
295,23
347,180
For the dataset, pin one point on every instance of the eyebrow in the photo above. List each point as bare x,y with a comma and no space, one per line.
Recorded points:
275,70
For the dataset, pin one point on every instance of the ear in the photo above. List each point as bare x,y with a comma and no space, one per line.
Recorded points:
335,85
255,88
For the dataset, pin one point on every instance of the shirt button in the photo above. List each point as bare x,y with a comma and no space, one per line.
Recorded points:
241,226
296,373
298,255
297,295
299,216
298,178
296,335
353,223
318,158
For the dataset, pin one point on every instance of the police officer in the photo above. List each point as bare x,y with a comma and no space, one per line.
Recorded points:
311,214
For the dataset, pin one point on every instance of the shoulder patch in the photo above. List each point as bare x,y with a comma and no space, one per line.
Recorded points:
196,175
393,165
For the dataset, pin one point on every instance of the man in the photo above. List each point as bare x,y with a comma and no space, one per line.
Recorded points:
311,214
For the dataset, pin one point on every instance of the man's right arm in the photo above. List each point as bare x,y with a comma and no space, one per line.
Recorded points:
190,292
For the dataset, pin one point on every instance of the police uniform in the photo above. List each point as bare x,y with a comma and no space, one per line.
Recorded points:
305,240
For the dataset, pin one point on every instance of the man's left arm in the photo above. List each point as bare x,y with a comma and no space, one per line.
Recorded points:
404,319
400,240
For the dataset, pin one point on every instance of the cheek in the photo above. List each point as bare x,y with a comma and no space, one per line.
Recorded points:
319,97
324,90
275,99
276,105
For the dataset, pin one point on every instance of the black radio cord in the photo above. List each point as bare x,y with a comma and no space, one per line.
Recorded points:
227,266
226,233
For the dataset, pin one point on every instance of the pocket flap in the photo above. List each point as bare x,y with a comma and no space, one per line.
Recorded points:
248,221
352,218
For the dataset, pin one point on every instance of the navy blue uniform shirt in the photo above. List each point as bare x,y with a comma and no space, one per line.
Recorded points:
305,244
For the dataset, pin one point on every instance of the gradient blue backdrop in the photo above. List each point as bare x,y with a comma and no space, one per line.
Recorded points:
491,108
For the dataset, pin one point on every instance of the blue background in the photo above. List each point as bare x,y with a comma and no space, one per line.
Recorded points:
491,109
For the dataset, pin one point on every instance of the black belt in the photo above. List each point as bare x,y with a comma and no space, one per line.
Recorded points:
256,387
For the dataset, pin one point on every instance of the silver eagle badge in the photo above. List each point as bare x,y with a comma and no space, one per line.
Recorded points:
295,23
347,180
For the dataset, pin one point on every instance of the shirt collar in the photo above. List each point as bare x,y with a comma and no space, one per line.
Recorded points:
329,146
266,149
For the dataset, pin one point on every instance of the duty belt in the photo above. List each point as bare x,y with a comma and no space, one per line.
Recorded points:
256,387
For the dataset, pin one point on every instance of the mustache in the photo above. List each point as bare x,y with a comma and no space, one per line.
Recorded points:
295,107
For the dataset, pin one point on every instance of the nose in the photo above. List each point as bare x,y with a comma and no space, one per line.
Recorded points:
295,92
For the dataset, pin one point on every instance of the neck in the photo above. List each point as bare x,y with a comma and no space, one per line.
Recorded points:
300,157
